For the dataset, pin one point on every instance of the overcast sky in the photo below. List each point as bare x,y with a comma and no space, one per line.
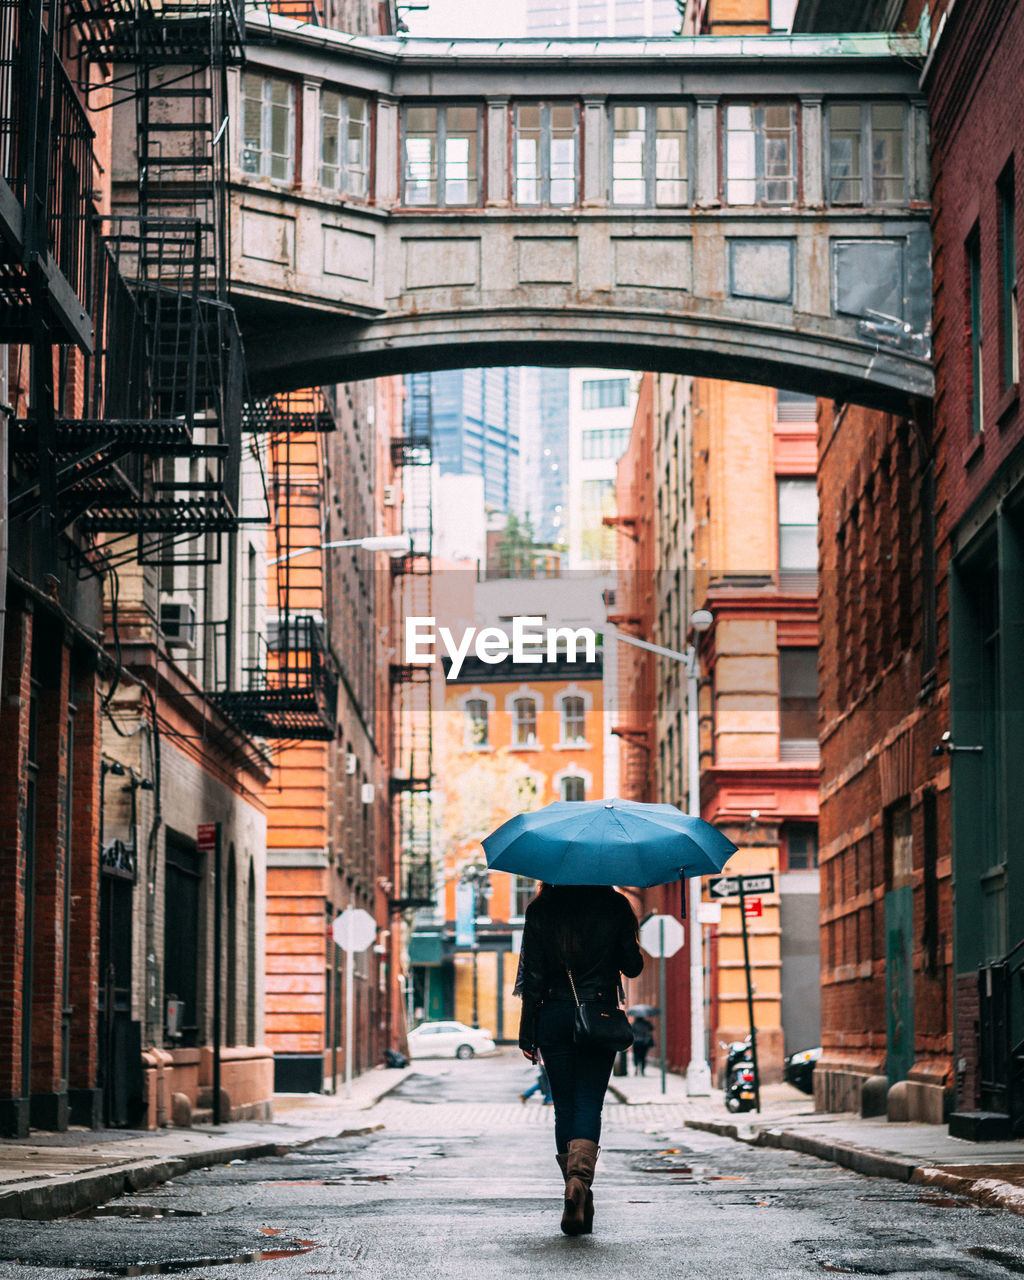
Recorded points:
467,18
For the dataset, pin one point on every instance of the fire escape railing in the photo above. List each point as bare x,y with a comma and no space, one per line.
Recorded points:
412,778
289,682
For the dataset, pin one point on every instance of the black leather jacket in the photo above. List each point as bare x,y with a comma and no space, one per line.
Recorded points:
609,950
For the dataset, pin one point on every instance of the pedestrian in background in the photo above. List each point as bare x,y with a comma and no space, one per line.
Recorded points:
577,942
542,1084
643,1039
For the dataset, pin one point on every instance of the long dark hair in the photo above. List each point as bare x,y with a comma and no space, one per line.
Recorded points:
568,913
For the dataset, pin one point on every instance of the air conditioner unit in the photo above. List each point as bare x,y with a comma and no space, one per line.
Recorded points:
350,763
390,497
178,622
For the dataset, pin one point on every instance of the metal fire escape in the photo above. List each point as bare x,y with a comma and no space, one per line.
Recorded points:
412,778
159,458
290,683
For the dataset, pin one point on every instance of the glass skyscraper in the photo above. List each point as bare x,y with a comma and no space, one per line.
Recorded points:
475,419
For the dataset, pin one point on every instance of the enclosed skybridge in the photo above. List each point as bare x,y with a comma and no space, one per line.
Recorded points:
750,207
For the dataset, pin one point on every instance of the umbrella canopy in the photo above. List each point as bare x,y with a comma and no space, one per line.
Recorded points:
607,842
642,1011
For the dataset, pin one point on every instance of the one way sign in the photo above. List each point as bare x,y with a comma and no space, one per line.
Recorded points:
730,886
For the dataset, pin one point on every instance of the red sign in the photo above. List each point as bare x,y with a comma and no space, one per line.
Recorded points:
206,837
753,907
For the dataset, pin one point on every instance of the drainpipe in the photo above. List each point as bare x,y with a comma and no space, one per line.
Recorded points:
6,413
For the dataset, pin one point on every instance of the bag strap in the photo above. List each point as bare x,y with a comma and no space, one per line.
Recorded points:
573,985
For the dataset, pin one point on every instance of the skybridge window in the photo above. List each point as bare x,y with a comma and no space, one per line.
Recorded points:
344,143
268,127
546,153
442,156
866,153
760,153
649,155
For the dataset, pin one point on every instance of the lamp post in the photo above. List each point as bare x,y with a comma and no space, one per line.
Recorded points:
698,1073
396,543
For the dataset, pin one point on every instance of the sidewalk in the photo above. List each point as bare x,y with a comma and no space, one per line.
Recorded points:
51,1175
990,1173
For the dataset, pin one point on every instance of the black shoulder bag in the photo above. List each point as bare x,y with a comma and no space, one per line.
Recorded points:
600,1025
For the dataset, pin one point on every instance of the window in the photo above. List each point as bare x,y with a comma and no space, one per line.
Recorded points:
573,788
545,153
801,846
344,143
798,532
900,852
649,159
183,878
1010,321
524,722
798,704
524,890
442,156
760,153
866,153
268,127
974,306
605,393
574,720
476,723
611,442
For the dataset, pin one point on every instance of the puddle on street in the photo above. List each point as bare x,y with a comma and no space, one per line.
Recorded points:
172,1266
1011,1261
148,1211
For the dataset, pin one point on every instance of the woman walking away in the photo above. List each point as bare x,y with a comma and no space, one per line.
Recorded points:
577,941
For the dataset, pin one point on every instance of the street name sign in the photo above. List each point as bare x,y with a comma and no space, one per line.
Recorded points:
730,886
651,936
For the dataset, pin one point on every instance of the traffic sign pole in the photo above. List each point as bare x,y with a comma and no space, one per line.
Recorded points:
661,993
350,1018
750,996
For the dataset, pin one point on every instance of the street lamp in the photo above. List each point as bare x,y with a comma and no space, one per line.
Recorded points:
698,1073
397,544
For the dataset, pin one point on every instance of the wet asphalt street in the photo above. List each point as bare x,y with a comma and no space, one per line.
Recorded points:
461,1182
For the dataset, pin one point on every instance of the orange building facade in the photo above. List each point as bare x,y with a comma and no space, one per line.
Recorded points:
511,737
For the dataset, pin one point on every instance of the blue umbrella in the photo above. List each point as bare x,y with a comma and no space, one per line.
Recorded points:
607,842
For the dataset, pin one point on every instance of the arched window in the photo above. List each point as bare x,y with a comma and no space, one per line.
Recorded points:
574,788
231,919
574,719
250,960
476,723
524,722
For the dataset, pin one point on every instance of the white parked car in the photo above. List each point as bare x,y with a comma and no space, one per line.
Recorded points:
449,1040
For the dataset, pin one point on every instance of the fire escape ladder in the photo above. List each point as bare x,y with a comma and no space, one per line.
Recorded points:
412,779
289,680
171,244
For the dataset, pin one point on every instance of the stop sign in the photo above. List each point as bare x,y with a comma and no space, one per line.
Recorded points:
354,929
651,936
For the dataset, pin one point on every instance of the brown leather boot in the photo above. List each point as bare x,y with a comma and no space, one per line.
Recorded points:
588,1204
580,1165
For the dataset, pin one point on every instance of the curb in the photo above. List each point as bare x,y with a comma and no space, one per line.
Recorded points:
41,1201
988,1192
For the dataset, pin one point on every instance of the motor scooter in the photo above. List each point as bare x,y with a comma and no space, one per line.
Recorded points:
740,1081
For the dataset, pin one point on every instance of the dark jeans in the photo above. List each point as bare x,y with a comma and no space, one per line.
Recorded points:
578,1074
640,1056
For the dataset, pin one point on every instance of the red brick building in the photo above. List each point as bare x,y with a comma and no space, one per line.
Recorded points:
921,691
976,103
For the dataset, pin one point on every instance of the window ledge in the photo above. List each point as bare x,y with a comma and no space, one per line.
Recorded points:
579,744
524,746
973,449
1006,407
